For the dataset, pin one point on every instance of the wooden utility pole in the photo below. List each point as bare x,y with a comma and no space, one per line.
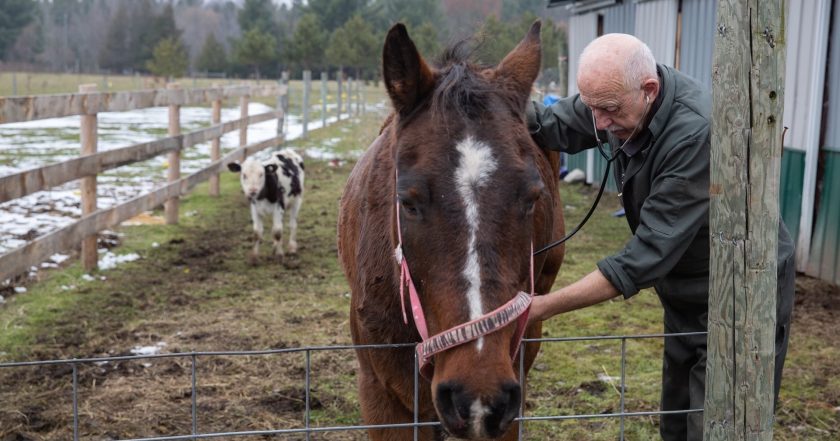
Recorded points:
748,101
88,140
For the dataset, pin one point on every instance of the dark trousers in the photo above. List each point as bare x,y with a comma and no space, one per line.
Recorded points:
684,360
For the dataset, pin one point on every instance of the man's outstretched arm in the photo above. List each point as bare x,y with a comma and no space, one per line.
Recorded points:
591,289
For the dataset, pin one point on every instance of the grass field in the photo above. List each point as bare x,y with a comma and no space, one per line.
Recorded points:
193,290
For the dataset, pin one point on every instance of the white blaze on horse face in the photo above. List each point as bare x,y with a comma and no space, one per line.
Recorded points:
476,165
478,411
252,177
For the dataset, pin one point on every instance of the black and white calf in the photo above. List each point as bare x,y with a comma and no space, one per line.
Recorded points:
273,187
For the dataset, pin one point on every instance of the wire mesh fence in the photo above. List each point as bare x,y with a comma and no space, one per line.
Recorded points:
306,429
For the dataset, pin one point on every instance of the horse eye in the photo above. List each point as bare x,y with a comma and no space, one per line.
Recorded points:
531,199
409,208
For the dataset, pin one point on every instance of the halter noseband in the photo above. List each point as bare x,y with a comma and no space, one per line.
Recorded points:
515,309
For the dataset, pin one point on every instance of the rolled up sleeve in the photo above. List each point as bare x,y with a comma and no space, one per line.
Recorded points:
670,218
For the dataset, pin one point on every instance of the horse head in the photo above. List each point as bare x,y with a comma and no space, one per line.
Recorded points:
473,196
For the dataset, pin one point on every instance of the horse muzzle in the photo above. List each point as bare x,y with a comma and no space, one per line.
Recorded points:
466,416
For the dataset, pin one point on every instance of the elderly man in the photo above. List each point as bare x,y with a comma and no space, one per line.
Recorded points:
656,121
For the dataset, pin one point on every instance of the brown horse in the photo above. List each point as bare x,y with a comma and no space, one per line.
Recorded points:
455,168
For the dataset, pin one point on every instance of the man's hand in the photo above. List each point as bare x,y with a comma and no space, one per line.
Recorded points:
592,289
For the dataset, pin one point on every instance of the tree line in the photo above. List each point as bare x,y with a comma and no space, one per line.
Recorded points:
257,38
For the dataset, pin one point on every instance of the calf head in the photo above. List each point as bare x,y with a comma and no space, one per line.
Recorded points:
252,176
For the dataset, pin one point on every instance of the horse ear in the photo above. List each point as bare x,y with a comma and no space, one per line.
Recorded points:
519,69
407,76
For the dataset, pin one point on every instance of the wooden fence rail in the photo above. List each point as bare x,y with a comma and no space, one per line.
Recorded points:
31,108
87,104
19,260
26,182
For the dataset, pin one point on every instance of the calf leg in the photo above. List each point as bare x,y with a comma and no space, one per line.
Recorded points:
293,214
277,232
258,233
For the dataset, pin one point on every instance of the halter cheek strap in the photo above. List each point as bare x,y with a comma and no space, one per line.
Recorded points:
515,309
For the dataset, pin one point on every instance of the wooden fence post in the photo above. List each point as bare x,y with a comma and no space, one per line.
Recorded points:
174,158
748,101
307,89
243,114
350,96
281,111
88,140
338,78
358,97
215,151
362,97
323,99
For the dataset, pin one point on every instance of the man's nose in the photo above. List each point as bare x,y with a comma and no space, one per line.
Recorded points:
602,121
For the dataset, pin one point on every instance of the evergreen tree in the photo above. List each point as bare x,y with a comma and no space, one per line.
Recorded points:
212,57
413,13
117,52
426,39
258,14
354,45
307,45
496,39
160,27
14,16
255,48
335,13
169,59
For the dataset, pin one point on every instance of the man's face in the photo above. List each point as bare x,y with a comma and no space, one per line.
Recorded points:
616,109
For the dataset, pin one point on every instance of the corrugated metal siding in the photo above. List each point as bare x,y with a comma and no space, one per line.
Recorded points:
656,25
824,261
620,18
578,160
582,29
832,115
697,40
790,189
801,60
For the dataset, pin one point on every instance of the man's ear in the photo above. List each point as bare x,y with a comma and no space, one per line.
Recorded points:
651,89
234,167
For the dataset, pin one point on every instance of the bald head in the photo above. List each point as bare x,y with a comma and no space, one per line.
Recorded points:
617,57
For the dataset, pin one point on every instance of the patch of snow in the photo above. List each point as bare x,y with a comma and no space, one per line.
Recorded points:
110,260
87,278
2,300
67,287
148,350
155,244
20,289
607,378
58,258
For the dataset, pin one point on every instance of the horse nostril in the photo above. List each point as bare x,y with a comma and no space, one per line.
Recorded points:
453,407
503,410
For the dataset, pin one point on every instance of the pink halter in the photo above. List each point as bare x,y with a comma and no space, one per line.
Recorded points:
516,308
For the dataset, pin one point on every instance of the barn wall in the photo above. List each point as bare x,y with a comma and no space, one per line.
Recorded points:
656,25
697,39
824,259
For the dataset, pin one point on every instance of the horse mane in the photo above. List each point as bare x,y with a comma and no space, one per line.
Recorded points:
460,86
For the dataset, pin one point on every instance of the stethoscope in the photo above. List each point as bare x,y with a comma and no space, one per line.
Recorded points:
609,159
